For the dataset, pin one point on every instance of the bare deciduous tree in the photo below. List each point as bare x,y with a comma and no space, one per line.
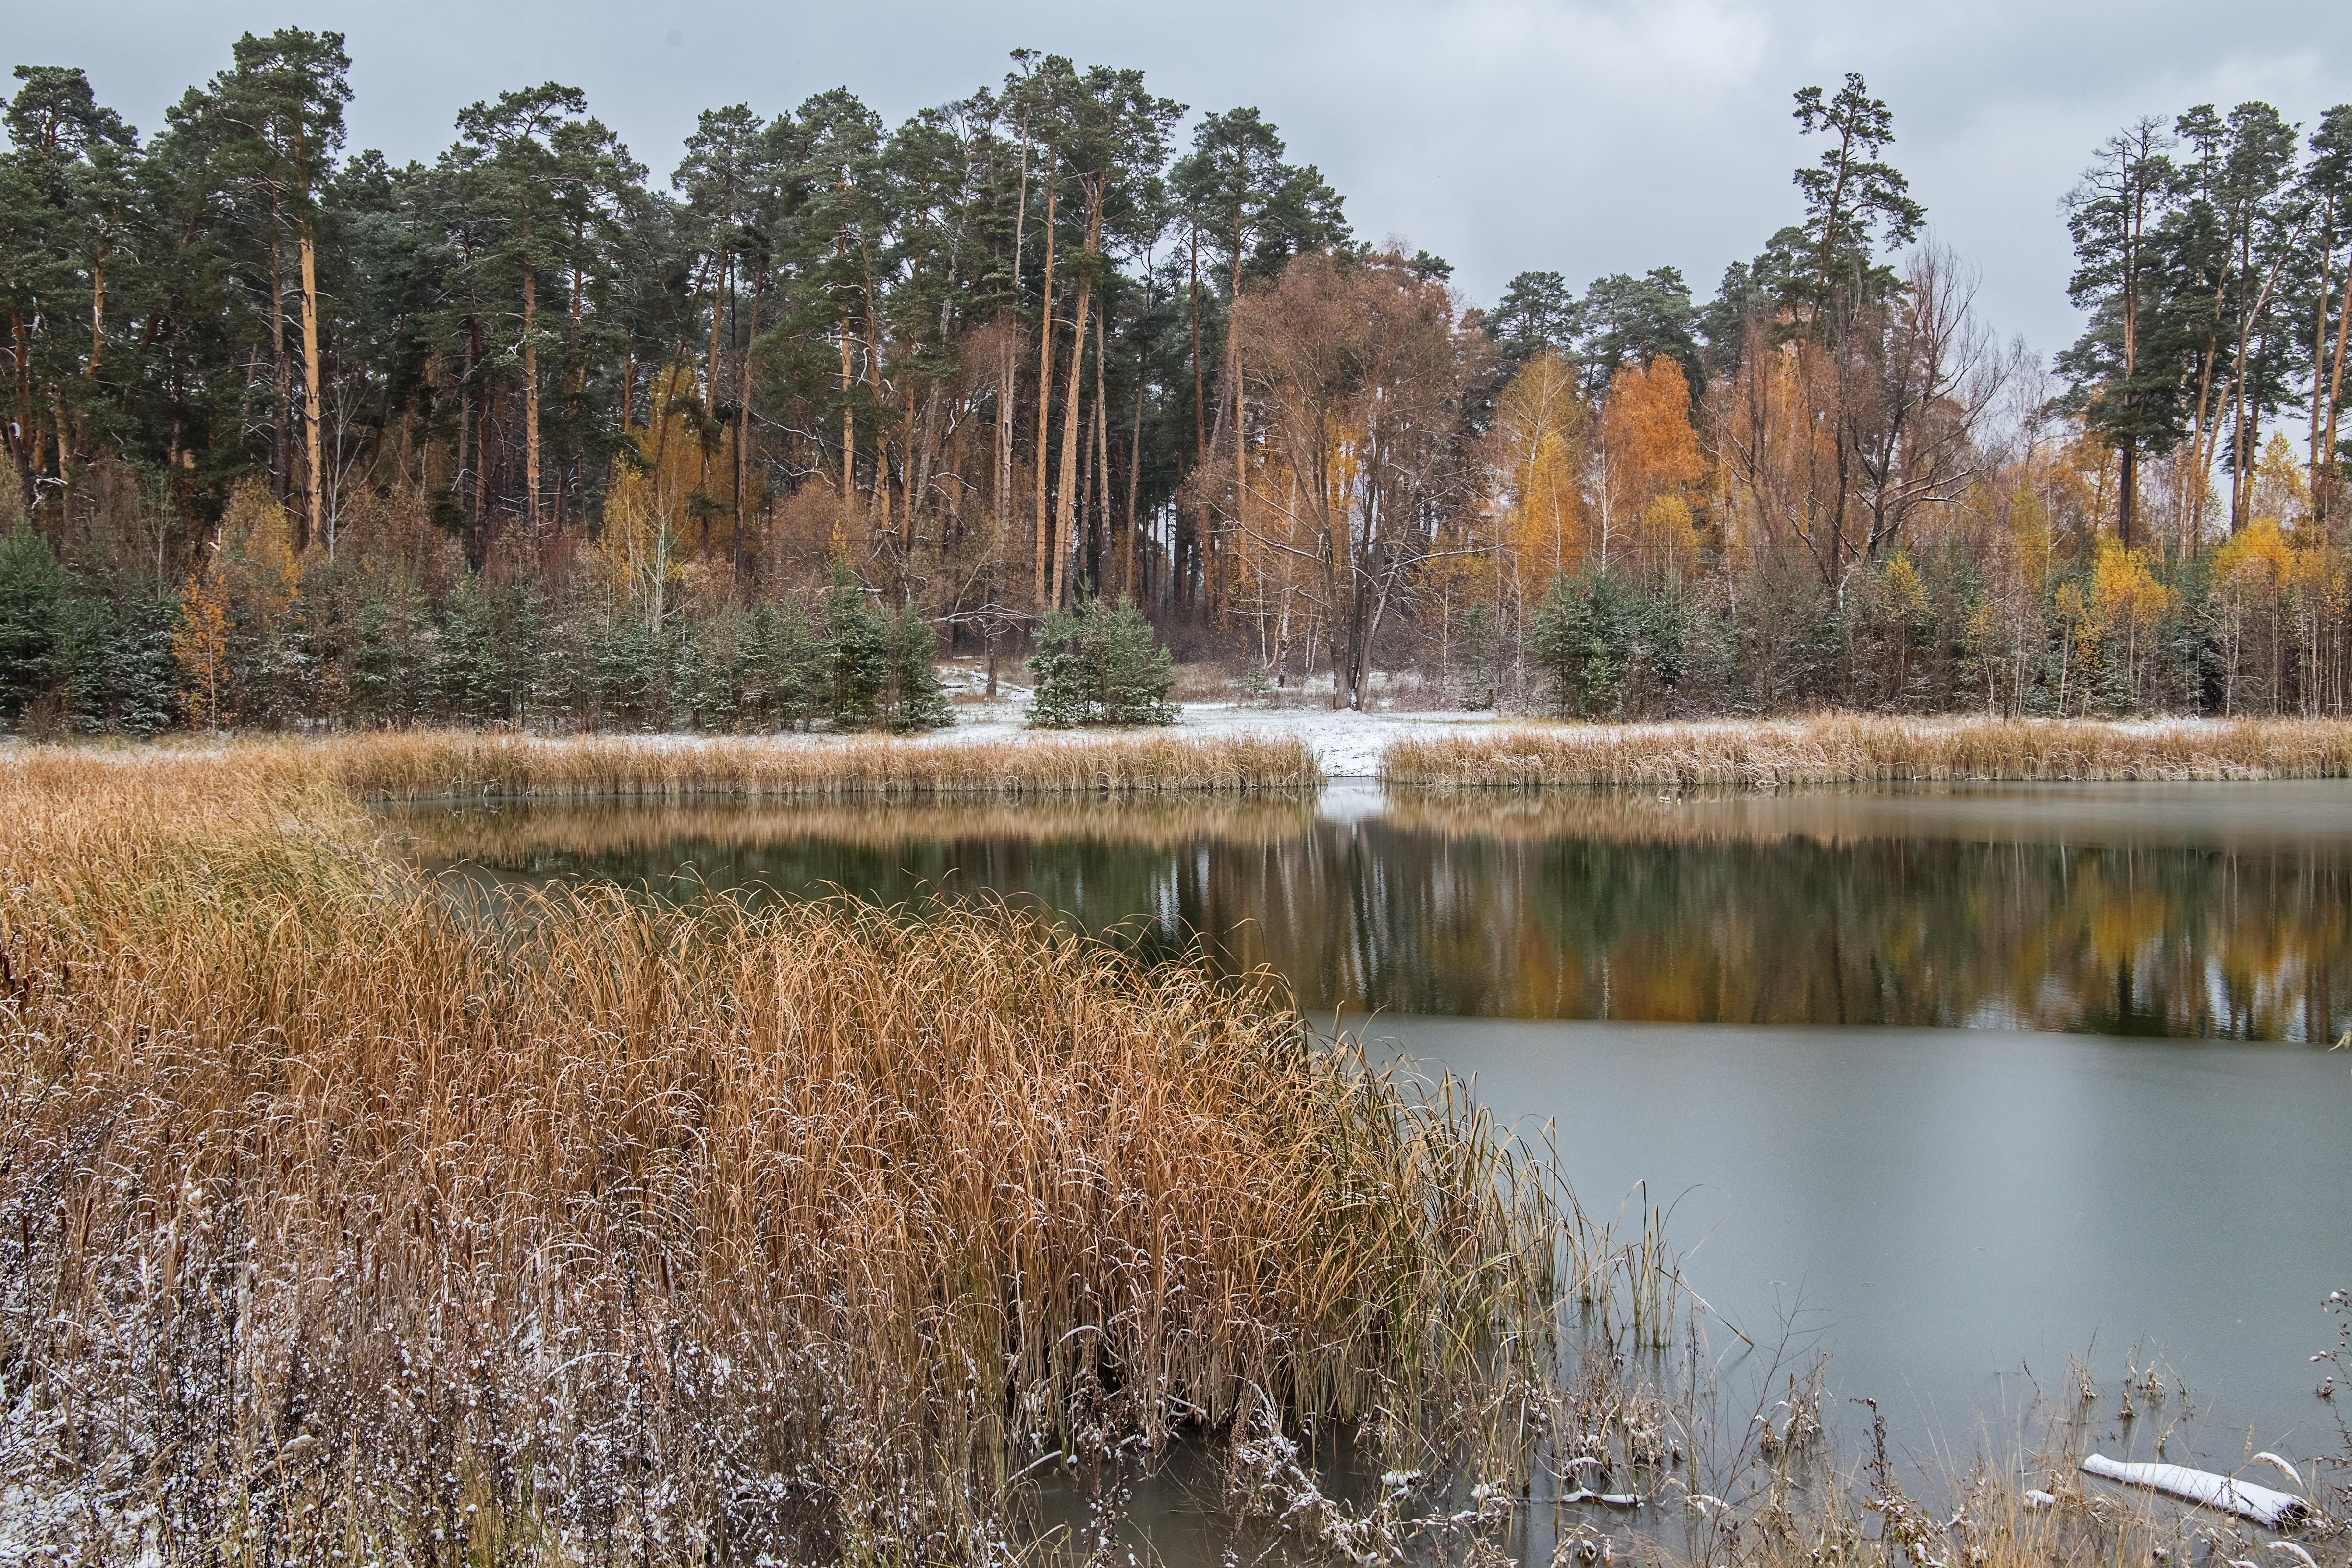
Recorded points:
1357,370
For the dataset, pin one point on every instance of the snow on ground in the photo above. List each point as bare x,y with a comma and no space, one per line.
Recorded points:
1347,744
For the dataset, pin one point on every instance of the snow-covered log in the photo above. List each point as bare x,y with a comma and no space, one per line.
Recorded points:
2275,1509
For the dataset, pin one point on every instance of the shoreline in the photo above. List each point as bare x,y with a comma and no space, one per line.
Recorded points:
413,1143
1853,749
1224,749
312,1174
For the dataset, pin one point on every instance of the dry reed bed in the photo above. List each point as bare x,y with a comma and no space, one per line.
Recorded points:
335,1225
1837,749
440,833
416,764
1826,816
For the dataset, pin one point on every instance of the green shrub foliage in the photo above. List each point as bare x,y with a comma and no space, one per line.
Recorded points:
33,589
1604,644
1100,665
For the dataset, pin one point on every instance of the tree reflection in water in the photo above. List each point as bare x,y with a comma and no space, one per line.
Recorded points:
2216,910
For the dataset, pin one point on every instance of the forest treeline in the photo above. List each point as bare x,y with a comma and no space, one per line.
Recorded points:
529,433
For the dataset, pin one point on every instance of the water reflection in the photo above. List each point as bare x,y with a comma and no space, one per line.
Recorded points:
2182,910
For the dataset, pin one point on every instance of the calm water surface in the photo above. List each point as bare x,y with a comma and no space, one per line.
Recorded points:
1951,1214
1743,1004
2185,910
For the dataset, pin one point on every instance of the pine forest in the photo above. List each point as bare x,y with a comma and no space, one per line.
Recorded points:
535,436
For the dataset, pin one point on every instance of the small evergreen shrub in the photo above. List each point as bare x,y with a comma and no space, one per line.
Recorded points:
32,600
783,669
117,658
1096,665
1256,684
911,696
1608,647
856,655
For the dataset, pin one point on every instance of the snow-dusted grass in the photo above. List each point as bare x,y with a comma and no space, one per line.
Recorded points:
1345,743
592,829
1860,749
343,1221
413,763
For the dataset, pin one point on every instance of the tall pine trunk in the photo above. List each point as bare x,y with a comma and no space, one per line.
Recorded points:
1007,392
717,312
742,561
1098,536
1240,444
314,471
1007,371
1065,494
281,374
1044,393
530,398
848,427
2325,495
1134,475
1186,547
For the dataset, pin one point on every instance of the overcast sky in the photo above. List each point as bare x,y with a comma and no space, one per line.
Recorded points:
1582,136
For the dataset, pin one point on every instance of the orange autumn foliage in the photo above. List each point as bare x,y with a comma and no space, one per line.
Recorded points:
1648,460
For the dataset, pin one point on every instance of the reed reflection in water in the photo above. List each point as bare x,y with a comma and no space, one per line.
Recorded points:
2180,910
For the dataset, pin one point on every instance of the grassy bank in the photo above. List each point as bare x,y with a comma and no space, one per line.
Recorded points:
425,763
510,833
1839,749
338,1225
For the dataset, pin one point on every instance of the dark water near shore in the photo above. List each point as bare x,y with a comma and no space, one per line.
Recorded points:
2138,1149
2189,910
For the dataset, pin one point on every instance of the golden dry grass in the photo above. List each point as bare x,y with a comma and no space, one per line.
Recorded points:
339,1223
423,764
1855,749
438,832
342,1223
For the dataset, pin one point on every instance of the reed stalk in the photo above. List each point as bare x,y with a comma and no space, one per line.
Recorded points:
1850,749
340,1221
515,833
456,763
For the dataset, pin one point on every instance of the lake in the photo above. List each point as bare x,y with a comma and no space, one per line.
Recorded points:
1949,1084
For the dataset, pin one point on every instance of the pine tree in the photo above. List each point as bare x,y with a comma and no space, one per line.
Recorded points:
1854,200
33,589
2126,370
145,680
377,669
788,664
856,657
1099,666
1606,645
913,700
469,674
624,655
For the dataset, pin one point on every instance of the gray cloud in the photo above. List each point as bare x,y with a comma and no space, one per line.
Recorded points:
1585,136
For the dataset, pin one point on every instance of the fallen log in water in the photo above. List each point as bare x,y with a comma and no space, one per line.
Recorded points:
2275,1509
